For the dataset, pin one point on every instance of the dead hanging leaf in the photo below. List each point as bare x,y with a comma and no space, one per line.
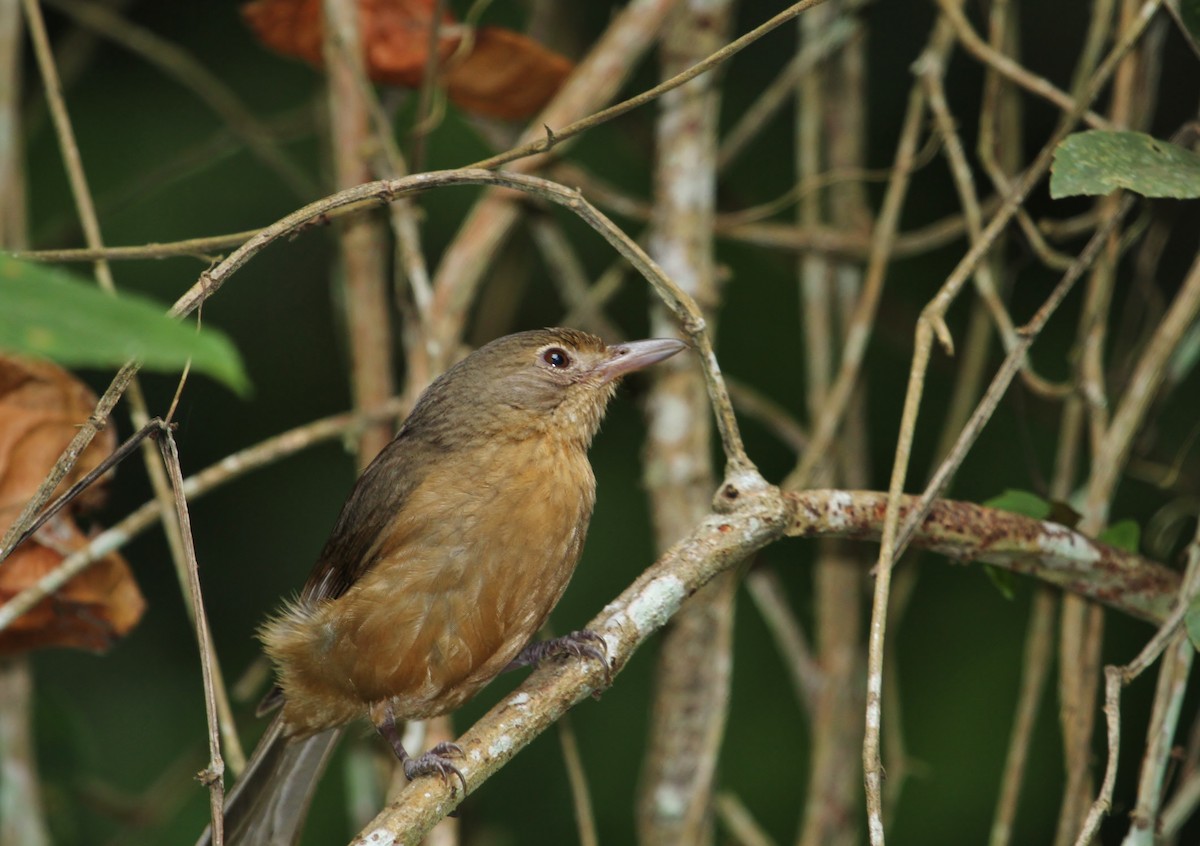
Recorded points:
395,34
41,409
89,612
504,74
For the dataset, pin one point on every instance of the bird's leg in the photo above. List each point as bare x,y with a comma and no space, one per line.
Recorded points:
434,762
580,644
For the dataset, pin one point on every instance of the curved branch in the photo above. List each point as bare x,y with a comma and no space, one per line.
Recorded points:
750,514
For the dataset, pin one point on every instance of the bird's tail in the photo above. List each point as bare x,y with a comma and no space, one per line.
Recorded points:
268,804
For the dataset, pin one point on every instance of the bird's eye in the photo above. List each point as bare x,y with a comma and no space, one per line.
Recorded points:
557,358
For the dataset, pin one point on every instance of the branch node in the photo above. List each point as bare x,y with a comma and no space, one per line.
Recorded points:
943,334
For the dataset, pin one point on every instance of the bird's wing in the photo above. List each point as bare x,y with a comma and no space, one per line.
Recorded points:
378,496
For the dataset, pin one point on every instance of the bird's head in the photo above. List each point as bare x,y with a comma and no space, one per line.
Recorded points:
545,380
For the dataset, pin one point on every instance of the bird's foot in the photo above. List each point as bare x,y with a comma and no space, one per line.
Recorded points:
580,644
436,762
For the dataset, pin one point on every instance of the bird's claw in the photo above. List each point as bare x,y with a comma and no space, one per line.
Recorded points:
581,644
436,762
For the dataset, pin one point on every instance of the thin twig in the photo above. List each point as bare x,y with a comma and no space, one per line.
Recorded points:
585,817
1035,664
200,248
739,822
214,776
372,193
110,461
1144,382
767,591
754,404
839,398
681,304
892,543
429,85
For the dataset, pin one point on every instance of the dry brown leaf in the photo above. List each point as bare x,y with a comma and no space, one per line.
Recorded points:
41,409
89,612
505,74
395,34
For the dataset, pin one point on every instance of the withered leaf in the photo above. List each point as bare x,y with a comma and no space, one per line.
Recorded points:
502,74
41,409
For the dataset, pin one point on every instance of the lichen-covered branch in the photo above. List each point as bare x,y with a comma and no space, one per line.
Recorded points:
748,515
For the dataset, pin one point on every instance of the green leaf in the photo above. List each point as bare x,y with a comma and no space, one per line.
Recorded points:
1191,621
1004,580
1021,502
48,313
1126,535
1016,502
1098,162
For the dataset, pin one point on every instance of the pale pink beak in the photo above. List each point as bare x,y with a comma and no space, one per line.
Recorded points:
634,355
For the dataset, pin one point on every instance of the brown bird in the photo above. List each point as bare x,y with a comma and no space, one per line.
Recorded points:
452,549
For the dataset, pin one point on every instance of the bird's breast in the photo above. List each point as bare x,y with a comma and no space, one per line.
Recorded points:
468,572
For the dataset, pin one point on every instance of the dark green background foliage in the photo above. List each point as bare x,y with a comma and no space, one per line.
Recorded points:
109,727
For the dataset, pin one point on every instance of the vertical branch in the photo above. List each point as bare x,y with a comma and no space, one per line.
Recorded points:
1169,696
22,820
412,289
1113,451
585,817
1160,734
361,238
139,414
1000,142
214,776
999,98
830,134
423,125
13,228
1035,669
1082,632
939,44
691,695
883,239
1080,639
